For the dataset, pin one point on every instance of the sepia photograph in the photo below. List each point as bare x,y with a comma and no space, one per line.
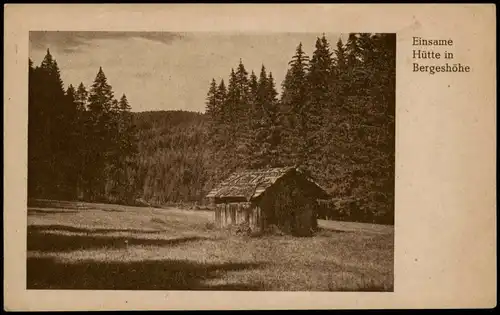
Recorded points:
238,161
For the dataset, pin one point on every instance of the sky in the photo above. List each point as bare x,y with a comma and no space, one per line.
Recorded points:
165,70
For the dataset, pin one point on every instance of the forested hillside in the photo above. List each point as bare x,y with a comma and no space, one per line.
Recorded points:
172,164
333,118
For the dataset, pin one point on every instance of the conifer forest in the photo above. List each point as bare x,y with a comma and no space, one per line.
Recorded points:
333,116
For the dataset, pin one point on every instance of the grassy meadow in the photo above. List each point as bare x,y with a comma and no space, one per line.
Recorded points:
73,245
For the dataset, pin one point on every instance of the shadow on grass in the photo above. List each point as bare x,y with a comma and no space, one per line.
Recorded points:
40,203
68,206
49,273
34,211
57,228
45,239
330,232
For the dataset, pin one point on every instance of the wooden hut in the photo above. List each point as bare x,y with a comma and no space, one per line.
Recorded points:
284,197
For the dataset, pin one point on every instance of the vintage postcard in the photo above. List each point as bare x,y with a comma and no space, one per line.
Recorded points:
286,156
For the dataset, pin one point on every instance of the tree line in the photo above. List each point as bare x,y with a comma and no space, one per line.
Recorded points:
81,142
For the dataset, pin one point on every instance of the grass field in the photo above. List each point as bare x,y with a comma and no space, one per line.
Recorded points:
99,246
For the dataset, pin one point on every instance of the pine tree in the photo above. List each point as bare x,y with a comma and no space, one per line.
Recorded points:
101,137
211,109
258,128
220,115
242,112
262,89
294,86
353,51
82,97
71,157
37,141
293,102
57,127
266,136
211,101
340,56
230,111
318,103
122,169
254,114
341,76
71,93
232,96
124,105
221,93
253,90
253,85
242,81
274,125
101,95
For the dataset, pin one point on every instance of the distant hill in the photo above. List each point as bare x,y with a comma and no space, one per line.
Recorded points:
171,164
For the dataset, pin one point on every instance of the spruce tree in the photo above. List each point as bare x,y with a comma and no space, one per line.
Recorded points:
82,97
230,111
265,149
319,100
101,138
220,115
101,95
293,101
341,75
56,128
253,119
340,56
253,90
211,101
353,51
124,105
127,149
274,125
212,112
242,112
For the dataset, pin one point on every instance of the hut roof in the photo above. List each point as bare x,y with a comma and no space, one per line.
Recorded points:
250,184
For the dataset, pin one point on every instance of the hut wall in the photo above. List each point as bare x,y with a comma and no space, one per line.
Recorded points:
290,206
235,213
255,218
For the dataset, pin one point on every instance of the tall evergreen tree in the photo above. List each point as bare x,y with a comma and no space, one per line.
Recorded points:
211,101
58,126
36,141
101,95
122,169
265,149
319,80
220,115
230,111
101,137
242,112
124,104
274,124
221,93
81,97
293,101
341,76
340,56
212,111
353,51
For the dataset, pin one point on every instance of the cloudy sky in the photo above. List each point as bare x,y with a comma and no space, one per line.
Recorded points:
166,71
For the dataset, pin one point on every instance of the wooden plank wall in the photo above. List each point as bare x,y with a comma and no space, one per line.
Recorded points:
237,213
